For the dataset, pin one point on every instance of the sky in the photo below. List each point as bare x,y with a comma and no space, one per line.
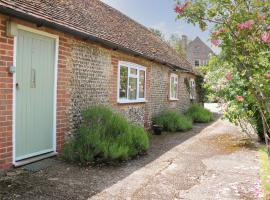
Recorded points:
158,14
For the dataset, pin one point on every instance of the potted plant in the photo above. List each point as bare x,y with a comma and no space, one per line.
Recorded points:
157,129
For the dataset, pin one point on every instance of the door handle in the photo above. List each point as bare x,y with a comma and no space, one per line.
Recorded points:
33,78
17,85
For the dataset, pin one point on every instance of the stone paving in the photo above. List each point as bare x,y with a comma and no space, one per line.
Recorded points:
212,161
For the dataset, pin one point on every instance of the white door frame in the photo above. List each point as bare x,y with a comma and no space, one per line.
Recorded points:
56,37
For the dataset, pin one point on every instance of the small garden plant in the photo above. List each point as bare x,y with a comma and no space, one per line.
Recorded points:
106,136
199,114
173,121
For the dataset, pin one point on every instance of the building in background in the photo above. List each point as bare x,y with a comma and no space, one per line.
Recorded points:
198,53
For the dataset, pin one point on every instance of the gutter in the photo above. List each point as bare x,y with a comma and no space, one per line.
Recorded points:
62,28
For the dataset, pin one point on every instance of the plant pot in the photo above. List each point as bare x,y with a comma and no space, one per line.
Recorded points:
157,129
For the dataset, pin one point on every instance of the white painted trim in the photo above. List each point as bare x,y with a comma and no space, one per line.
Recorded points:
55,93
39,32
56,37
34,159
14,101
130,64
177,87
34,154
139,68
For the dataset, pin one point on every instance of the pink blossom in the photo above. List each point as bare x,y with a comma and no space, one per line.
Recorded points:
229,76
215,42
221,30
216,33
180,8
240,98
245,25
265,37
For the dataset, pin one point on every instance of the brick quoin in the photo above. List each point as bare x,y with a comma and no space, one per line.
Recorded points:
6,96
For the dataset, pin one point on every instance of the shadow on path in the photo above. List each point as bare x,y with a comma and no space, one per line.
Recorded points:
66,181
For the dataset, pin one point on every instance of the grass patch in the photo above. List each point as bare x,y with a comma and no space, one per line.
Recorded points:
199,114
173,121
265,171
106,136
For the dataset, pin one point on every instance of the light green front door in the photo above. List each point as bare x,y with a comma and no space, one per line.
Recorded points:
34,95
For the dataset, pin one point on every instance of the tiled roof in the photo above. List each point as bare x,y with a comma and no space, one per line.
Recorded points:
94,18
198,40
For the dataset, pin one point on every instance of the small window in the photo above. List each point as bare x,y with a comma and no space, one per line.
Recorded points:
131,84
174,87
197,62
192,89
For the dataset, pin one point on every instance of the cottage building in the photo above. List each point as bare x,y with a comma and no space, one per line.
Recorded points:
59,57
198,53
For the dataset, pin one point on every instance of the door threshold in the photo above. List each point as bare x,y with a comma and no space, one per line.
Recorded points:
34,159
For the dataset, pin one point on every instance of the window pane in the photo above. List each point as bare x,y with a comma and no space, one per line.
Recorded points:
193,89
172,87
133,71
174,90
197,63
132,88
123,82
142,84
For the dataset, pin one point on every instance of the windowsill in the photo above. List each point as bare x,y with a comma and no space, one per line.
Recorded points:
173,99
131,101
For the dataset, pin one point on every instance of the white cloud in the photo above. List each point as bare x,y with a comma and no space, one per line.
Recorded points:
165,29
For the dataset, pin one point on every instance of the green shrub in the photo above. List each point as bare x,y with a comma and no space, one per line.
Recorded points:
173,121
105,136
199,114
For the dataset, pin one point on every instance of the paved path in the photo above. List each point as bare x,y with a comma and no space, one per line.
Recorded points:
212,161
196,169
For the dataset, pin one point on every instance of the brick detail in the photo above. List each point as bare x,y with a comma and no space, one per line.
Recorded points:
135,112
63,89
6,96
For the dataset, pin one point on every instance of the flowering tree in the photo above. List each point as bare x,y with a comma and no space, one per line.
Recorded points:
241,28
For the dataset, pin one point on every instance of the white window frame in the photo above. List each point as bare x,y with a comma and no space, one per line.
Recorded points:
192,85
139,68
177,87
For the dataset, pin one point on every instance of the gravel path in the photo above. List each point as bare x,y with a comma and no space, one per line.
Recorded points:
213,161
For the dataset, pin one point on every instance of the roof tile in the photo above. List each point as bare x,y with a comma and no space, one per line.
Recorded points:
97,19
